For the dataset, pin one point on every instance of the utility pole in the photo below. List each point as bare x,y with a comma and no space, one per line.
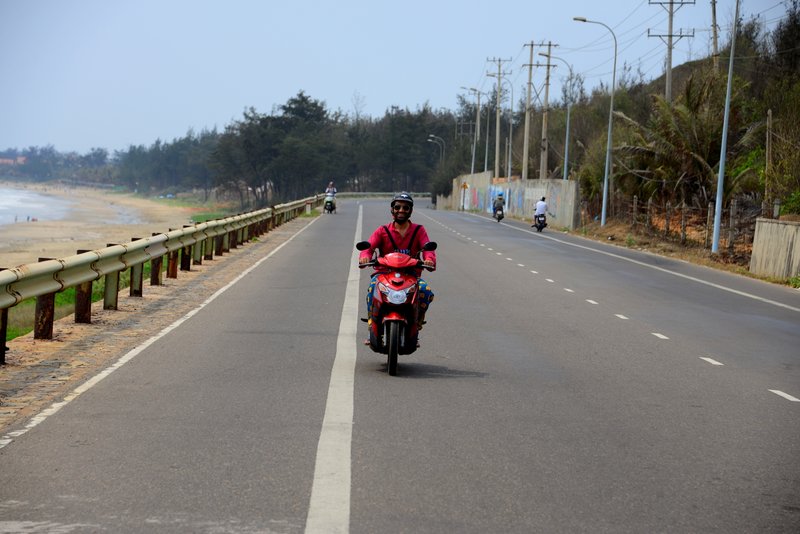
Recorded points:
768,169
715,48
499,75
723,153
526,140
545,145
669,42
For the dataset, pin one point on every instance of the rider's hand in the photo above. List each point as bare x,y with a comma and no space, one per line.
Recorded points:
429,264
362,261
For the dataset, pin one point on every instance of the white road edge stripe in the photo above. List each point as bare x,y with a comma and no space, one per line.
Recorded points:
329,506
784,395
712,361
96,379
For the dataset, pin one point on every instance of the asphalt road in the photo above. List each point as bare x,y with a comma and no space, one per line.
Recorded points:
561,386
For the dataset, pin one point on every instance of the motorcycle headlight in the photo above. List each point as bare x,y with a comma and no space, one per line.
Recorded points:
394,296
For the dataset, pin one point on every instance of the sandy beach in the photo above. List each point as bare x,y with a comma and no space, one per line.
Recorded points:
96,218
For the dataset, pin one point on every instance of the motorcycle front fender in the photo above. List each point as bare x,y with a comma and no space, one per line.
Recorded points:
395,316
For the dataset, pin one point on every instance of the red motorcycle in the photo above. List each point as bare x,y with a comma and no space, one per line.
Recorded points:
393,325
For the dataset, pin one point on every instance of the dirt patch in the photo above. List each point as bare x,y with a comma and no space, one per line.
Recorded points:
653,240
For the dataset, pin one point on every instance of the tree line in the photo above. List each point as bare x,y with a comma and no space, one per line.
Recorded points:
663,151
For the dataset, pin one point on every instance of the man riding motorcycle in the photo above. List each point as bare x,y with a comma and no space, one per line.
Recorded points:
498,204
401,235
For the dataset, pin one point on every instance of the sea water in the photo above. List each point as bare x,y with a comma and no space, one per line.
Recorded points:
21,205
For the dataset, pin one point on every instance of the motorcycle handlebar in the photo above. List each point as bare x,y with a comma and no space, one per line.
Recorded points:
374,263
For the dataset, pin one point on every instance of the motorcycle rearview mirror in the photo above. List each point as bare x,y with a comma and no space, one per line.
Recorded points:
362,245
429,246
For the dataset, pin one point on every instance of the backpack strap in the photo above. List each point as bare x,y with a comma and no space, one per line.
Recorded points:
413,236
389,235
410,242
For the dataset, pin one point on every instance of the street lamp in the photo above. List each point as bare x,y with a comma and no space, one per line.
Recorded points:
477,126
569,107
435,139
610,116
510,128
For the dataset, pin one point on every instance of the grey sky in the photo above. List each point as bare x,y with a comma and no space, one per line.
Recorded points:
79,74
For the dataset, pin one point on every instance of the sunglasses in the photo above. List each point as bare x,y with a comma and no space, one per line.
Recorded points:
402,207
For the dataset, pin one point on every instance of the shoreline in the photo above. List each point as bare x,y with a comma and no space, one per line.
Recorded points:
96,218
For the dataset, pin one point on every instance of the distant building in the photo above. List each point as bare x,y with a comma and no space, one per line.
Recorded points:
19,160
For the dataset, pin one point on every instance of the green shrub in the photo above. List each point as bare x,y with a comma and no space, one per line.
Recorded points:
791,204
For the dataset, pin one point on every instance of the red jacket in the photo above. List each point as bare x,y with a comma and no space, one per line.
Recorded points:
411,243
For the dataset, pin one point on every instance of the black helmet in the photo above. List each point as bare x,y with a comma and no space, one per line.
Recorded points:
403,197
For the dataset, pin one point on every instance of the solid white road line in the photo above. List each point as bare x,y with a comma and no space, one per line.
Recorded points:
96,379
785,395
329,507
711,361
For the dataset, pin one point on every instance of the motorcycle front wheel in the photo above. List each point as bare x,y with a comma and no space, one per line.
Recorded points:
393,344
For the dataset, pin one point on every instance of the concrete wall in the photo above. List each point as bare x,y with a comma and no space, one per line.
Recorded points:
776,249
562,197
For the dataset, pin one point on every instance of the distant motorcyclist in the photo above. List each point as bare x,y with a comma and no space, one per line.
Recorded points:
498,204
331,189
401,235
541,208
540,215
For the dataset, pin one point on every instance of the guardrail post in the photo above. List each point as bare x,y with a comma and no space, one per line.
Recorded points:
186,255
111,292
172,262
667,217
197,259
209,248
3,330
45,314
137,272
226,242
220,242
156,268
3,334
83,300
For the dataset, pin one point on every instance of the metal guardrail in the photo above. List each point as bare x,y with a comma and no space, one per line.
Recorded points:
44,279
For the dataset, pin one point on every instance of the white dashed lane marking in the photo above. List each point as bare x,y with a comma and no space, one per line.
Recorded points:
784,395
625,318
